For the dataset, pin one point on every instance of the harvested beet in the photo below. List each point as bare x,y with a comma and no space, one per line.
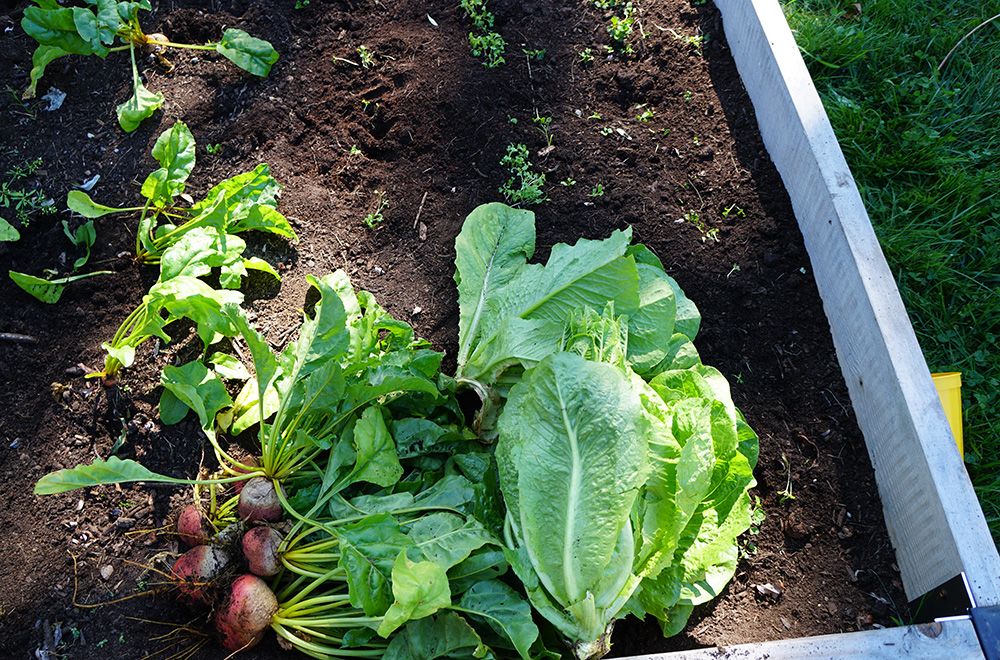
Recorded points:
246,614
196,568
260,547
192,526
259,502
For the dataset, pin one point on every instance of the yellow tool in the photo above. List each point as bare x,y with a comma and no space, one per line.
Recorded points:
949,387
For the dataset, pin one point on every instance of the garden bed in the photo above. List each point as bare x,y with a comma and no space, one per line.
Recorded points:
431,132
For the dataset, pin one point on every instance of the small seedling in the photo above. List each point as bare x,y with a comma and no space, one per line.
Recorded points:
512,120
484,42
537,54
688,95
693,218
355,151
597,191
620,28
786,495
696,141
543,124
734,269
26,202
490,46
595,115
646,115
376,217
213,149
367,56
524,185
733,209
587,55
607,130
568,182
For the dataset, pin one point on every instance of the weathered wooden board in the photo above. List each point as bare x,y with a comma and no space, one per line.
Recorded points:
934,519
953,640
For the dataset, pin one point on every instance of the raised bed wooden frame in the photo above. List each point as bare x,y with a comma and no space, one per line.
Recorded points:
935,522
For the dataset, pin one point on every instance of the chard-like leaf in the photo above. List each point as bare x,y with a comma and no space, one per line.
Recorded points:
8,232
140,107
486,563
49,291
190,298
56,27
251,54
80,202
420,589
40,59
504,611
175,151
229,366
201,249
261,266
376,461
447,539
242,192
89,28
198,388
114,470
368,550
445,635
264,218
85,236
572,456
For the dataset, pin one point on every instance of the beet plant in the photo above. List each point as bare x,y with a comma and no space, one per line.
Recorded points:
103,27
189,243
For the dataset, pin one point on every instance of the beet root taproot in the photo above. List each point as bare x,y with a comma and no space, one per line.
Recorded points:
196,569
259,501
260,547
246,614
192,526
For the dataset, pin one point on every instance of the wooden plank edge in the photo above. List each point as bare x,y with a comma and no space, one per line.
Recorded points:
954,639
934,519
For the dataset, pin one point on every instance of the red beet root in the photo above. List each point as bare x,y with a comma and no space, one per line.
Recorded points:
196,568
260,547
246,614
192,526
259,502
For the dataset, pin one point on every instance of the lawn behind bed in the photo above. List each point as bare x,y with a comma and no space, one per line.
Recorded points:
924,147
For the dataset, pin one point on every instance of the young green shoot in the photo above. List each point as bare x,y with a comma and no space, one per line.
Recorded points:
524,186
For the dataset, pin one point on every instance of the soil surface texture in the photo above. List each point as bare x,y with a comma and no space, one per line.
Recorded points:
424,128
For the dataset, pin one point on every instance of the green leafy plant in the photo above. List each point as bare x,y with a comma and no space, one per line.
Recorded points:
597,190
376,217
484,41
243,203
26,202
603,404
646,115
213,149
586,55
49,291
85,235
525,184
189,243
544,124
537,54
108,26
367,56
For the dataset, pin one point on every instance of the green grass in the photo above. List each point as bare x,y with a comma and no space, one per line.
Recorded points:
925,150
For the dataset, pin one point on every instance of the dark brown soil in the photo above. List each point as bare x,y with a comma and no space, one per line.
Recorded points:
436,126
